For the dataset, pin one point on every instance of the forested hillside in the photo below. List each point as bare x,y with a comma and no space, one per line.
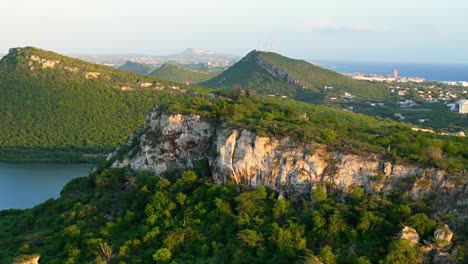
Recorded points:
136,67
54,107
271,73
114,216
177,73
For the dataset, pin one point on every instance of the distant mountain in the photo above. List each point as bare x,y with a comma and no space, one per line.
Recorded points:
272,73
69,106
141,68
199,55
177,73
189,57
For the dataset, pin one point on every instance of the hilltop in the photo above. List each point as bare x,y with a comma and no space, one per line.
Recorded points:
195,185
136,67
177,73
55,107
274,74
222,176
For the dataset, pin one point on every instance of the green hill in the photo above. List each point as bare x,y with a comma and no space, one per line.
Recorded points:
114,216
271,73
136,67
54,107
48,101
121,216
177,73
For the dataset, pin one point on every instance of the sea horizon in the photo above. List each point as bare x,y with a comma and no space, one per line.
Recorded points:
429,71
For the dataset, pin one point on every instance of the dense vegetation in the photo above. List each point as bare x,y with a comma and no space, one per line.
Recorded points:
177,73
299,79
114,216
136,67
65,112
117,216
336,129
436,115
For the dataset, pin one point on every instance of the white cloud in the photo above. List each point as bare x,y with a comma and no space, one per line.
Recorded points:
329,25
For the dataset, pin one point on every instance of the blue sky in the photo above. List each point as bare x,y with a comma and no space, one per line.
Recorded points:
360,30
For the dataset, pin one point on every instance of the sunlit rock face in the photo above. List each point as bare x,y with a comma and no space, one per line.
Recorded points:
170,142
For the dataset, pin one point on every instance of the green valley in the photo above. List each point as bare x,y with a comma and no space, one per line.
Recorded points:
136,67
180,74
53,107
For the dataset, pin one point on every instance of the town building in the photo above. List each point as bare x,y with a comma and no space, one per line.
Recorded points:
463,106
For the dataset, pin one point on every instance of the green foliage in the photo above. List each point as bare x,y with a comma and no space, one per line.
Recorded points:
59,114
250,238
136,67
422,223
309,80
402,252
352,133
327,256
180,74
162,255
64,114
115,216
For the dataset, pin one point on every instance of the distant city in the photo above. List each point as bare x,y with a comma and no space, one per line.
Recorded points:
195,58
450,74
395,77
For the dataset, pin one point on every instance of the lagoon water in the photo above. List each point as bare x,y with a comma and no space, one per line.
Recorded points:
24,185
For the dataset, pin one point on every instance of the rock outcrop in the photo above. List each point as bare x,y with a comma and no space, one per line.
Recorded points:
27,259
169,142
409,234
277,72
443,236
177,142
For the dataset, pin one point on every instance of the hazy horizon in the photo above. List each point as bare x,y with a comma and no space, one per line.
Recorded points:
418,31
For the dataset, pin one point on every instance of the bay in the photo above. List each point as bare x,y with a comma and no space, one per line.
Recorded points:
434,72
24,185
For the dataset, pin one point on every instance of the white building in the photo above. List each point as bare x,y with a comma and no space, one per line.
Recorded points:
463,106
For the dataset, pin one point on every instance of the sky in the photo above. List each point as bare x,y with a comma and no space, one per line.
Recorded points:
421,31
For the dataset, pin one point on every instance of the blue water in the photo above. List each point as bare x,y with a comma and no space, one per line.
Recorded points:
434,72
24,185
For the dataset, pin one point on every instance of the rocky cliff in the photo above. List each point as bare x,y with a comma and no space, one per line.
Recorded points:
275,71
173,142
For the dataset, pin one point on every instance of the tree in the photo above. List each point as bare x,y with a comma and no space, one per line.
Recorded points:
162,255
326,255
401,252
422,223
250,238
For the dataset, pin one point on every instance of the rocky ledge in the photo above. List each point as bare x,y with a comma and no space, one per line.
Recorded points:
170,142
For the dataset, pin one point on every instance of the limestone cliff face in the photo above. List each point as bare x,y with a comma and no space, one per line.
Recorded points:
169,142
174,142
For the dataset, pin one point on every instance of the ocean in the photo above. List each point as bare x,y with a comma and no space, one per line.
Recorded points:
433,72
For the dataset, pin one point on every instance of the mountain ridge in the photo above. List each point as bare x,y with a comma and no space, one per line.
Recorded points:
177,73
50,101
141,68
272,73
